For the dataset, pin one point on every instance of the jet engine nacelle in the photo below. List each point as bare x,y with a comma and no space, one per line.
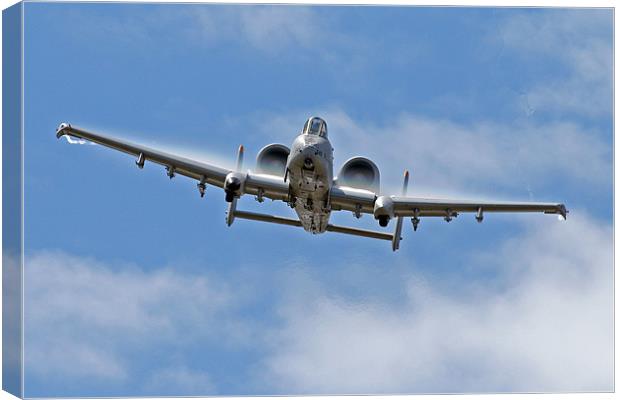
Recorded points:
272,159
360,173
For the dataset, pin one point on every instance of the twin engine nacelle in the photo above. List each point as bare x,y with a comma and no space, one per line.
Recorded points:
272,159
359,173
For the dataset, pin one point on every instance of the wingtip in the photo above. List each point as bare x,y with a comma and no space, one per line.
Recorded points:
559,210
60,131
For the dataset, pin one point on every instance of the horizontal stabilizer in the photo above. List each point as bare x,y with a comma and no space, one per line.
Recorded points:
294,222
359,232
267,218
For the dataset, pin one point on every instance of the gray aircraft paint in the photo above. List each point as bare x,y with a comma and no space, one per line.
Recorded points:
309,187
310,176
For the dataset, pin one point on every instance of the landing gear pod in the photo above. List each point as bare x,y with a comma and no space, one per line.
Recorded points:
233,185
384,210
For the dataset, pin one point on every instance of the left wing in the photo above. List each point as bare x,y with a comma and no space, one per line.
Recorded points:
251,183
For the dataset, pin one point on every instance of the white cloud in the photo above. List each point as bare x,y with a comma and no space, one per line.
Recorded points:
580,41
542,321
269,27
446,156
86,319
304,33
179,381
265,28
57,356
11,319
548,327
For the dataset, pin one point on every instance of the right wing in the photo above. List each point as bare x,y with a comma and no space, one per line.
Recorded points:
384,208
407,206
257,184
366,202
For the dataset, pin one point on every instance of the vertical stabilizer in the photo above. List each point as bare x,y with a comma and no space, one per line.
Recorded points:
399,220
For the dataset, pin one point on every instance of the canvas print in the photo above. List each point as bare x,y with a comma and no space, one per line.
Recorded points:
233,199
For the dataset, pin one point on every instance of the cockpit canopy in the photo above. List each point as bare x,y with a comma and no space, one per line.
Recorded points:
315,126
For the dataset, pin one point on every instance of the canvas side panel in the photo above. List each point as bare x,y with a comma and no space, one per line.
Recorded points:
12,200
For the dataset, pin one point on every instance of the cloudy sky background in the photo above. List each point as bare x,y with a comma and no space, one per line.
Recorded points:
135,286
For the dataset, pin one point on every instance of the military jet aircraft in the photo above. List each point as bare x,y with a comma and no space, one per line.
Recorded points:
302,176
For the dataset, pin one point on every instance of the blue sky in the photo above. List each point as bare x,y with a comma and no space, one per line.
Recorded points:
135,286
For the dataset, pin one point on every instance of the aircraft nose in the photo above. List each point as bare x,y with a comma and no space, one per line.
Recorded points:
304,153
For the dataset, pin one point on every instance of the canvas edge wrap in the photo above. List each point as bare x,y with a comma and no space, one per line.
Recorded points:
12,201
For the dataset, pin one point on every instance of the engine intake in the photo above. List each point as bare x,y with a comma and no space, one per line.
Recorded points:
360,173
272,159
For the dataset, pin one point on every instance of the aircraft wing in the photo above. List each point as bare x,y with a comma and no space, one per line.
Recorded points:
363,201
258,184
385,208
407,206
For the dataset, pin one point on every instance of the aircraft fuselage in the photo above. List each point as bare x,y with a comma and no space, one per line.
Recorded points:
310,175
